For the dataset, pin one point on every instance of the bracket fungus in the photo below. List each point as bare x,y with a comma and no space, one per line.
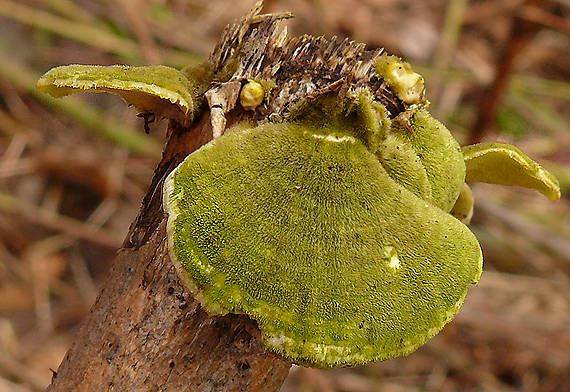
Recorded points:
338,228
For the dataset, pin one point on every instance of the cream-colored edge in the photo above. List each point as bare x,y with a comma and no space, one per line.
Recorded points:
172,211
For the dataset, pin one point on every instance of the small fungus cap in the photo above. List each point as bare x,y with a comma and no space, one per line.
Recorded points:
503,164
408,85
163,91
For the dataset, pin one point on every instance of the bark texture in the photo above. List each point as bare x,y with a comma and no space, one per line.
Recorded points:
145,332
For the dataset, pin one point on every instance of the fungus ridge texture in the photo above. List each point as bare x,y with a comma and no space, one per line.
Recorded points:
304,230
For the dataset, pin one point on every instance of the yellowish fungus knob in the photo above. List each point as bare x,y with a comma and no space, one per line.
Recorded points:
251,95
407,84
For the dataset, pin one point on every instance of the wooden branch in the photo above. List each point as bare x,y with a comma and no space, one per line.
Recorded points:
145,332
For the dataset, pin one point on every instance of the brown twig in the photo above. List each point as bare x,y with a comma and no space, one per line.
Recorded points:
522,31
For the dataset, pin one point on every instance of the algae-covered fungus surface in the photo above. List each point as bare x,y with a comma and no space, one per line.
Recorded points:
336,225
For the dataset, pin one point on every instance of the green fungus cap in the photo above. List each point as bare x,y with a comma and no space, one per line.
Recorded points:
503,164
161,90
303,229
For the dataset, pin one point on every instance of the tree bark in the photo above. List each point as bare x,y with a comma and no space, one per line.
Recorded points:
145,332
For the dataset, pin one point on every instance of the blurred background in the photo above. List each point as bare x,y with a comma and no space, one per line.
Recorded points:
73,172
